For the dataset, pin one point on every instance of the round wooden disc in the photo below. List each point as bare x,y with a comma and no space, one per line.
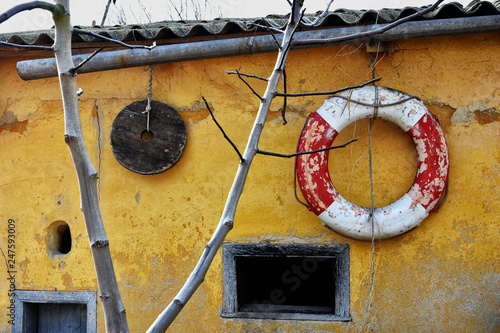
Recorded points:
143,152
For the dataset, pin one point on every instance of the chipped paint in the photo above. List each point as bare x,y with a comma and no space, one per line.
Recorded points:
10,122
15,127
429,184
475,111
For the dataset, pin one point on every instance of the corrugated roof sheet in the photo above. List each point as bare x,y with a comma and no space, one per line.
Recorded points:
229,26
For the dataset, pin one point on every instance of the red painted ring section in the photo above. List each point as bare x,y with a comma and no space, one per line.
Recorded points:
433,162
312,169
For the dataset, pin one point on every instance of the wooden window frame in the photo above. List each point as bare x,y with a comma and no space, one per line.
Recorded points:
337,252
72,297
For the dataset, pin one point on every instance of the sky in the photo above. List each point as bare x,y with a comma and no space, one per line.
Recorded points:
85,12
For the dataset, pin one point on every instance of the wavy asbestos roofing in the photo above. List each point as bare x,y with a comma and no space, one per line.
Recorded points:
224,27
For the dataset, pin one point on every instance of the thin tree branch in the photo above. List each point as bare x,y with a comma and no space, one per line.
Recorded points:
264,27
29,47
105,13
248,75
328,92
302,22
366,33
223,133
271,32
175,8
295,18
226,221
74,70
93,34
295,168
262,152
350,100
283,109
248,85
28,6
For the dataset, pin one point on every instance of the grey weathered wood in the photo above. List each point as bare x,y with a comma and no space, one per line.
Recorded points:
337,252
114,312
27,318
285,316
72,318
229,296
48,318
168,140
27,307
342,294
59,318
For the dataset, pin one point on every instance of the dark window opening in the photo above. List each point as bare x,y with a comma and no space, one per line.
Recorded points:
290,282
286,281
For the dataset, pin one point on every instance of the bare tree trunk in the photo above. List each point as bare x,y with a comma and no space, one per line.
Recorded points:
114,312
227,218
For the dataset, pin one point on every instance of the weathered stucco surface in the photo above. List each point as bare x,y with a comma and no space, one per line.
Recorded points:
441,277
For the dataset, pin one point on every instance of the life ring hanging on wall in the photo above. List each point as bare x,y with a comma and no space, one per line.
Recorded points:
349,219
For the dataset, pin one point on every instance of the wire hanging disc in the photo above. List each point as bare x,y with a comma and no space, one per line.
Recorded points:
148,152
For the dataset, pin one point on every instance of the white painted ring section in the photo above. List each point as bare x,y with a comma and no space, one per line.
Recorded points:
339,113
354,221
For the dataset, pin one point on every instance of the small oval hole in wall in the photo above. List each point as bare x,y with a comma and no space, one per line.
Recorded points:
59,240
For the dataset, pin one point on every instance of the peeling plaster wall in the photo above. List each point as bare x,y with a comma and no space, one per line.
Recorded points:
441,277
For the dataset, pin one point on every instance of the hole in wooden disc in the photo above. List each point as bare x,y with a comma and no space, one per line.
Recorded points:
147,136
145,149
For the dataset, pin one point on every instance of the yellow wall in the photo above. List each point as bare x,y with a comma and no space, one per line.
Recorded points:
442,276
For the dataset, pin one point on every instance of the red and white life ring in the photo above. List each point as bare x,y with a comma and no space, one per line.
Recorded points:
409,211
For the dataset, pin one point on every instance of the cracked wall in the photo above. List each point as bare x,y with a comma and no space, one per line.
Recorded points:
442,276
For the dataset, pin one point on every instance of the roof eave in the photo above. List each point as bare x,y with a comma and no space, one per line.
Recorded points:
44,68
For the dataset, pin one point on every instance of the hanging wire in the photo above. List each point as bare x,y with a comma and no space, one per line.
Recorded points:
376,103
372,120
295,169
150,94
